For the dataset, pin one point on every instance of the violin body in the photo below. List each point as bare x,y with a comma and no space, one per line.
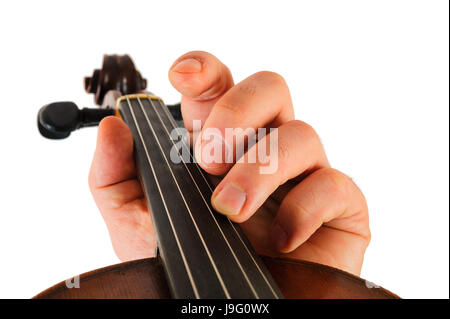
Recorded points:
145,279
202,254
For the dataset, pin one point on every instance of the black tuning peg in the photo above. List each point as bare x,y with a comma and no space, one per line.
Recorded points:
57,120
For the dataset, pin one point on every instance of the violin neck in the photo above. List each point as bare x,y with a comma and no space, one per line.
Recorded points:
205,255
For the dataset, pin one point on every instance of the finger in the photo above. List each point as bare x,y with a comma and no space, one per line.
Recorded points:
112,177
113,158
261,100
118,193
326,197
201,79
294,149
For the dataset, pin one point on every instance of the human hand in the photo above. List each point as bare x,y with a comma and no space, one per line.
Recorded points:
304,210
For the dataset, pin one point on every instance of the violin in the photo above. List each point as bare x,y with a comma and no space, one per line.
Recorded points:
201,254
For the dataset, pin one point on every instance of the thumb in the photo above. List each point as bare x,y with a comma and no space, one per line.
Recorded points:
118,193
113,158
201,79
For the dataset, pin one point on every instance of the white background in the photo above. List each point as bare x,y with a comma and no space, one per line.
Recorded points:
370,76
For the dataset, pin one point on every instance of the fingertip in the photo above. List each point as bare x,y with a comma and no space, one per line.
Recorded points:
215,169
115,135
112,125
238,219
185,74
208,161
199,74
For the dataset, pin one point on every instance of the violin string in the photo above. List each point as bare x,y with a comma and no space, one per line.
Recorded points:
191,279
209,209
219,277
171,120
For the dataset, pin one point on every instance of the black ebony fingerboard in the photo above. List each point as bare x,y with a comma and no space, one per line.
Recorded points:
205,255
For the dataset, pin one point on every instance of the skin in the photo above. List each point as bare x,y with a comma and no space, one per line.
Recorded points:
305,210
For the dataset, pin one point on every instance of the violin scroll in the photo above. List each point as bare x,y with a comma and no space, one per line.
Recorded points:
118,73
118,76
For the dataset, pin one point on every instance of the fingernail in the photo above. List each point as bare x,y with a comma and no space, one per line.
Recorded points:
279,236
188,66
229,200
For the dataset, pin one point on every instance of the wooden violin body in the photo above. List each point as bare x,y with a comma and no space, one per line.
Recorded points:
145,278
182,269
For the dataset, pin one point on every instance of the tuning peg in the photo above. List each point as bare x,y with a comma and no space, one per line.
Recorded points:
57,120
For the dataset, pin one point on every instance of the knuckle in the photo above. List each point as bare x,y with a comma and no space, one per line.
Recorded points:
113,203
337,183
368,236
271,78
302,129
288,138
341,187
249,89
299,209
92,180
283,149
228,106
296,214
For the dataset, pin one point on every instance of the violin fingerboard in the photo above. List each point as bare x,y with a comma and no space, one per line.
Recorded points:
205,255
